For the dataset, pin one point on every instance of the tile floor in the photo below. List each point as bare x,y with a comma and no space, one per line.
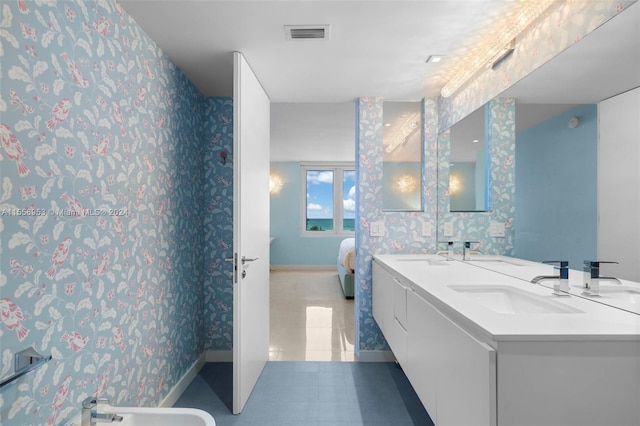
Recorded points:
311,320
311,393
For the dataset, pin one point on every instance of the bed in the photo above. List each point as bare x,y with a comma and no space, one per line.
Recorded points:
347,265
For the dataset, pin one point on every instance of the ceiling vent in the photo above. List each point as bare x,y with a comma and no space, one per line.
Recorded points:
306,32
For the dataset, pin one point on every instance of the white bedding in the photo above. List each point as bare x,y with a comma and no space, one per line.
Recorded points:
347,254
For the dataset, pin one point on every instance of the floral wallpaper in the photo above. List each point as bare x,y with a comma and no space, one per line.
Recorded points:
563,25
472,226
100,203
218,223
403,229
109,250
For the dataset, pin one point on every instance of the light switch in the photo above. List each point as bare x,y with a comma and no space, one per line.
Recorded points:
448,229
497,229
376,229
426,229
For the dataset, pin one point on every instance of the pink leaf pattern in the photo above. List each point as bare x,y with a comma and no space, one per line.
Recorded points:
120,205
102,142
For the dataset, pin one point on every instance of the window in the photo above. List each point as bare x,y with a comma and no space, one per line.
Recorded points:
328,203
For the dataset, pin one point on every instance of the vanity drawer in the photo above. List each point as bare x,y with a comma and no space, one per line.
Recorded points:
400,302
400,343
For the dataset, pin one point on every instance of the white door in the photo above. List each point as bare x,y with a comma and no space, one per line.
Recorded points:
251,107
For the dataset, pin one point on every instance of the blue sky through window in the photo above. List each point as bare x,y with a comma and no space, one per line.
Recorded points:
320,194
349,194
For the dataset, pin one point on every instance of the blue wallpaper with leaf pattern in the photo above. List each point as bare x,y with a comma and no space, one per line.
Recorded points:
218,223
474,226
101,200
106,148
403,229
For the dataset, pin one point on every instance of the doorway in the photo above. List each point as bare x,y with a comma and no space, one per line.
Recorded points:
310,318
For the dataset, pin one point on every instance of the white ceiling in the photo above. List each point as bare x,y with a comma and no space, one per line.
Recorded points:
377,48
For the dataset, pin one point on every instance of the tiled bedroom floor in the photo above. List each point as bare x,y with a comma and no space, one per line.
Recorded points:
310,318
311,393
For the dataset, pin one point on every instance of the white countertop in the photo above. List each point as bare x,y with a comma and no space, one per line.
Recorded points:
595,321
526,270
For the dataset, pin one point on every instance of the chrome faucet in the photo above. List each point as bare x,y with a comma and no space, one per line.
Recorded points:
466,249
90,415
592,278
561,284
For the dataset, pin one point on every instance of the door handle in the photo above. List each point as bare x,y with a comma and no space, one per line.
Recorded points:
229,259
245,259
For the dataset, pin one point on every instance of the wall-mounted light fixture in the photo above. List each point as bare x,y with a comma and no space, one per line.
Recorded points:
275,183
455,184
494,41
406,183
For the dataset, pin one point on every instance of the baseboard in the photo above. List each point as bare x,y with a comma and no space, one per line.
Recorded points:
304,268
219,356
183,383
375,356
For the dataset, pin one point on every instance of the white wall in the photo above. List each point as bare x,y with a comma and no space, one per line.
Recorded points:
313,131
619,184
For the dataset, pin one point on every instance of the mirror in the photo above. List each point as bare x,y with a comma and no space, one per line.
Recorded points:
402,156
467,164
563,153
561,149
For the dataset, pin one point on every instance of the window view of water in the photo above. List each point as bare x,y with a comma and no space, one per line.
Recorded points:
327,224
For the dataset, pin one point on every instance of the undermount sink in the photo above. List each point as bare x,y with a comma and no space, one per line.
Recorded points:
504,299
430,262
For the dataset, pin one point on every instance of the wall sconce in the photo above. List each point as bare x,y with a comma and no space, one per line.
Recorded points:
406,183
455,184
275,183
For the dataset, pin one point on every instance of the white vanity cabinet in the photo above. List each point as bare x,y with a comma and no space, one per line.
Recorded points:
473,365
382,297
447,367
389,296
453,373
